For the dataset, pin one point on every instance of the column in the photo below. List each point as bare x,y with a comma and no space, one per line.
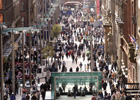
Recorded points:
23,65
13,64
1,65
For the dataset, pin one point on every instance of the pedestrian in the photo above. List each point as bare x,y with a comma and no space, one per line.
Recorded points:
12,96
118,95
76,59
23,96
71,69
75,91
104,86
128,97
136,97
108,96
83,56
77,69
123,97
73,57
16,87
62,55
38,79
5,97
87,67
27,97
113,97
81,65
115,65
59,64
34,97
38,95
43,94
101,95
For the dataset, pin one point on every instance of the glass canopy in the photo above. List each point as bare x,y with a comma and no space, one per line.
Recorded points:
71,78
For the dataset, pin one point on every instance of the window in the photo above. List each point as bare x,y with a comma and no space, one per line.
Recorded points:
22,21
22,6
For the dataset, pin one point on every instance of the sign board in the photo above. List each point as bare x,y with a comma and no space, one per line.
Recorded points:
48,95
1,17
0,4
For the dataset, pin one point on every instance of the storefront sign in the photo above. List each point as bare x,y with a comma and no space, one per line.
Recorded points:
0,4
1,17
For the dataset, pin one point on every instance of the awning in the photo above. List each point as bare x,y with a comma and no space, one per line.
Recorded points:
7,52
73,2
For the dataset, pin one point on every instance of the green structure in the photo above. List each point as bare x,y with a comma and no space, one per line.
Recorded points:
75,78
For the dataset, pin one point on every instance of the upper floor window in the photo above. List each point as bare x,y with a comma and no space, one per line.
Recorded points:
22,6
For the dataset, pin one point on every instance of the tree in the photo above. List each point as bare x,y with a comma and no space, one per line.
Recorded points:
48,51
56,30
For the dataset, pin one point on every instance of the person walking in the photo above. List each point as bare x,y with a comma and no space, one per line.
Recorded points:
123,97
76,59
43,94
75,91
136,97
62,55
23,96
80,65
113,97
77,69
83,56
12,97
128,97
5,97
34,97
104,86
27,97
71,69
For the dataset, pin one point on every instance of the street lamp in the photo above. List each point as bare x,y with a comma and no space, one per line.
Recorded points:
1,62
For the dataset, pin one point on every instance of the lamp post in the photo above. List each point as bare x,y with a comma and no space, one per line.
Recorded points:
37,48
13,63
91,51
23,64
1,63
30,58
40,50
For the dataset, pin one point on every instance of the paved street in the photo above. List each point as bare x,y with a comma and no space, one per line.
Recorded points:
77,98
90,48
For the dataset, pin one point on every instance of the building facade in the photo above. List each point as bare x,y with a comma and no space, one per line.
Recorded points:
138,38
119,18
6,11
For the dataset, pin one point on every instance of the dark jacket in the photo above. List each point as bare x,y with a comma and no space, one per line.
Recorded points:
128,98
12,97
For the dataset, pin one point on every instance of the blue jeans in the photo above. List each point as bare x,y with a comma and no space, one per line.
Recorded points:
74,94
23,99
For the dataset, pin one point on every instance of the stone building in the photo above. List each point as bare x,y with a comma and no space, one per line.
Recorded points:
119,18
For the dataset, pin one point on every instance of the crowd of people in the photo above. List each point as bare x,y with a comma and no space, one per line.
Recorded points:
75,46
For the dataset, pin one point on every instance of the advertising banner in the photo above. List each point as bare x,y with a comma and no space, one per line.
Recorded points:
0,4
1,17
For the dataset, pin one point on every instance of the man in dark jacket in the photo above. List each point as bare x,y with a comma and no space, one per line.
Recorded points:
34,97
75,91
104,85
128,97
